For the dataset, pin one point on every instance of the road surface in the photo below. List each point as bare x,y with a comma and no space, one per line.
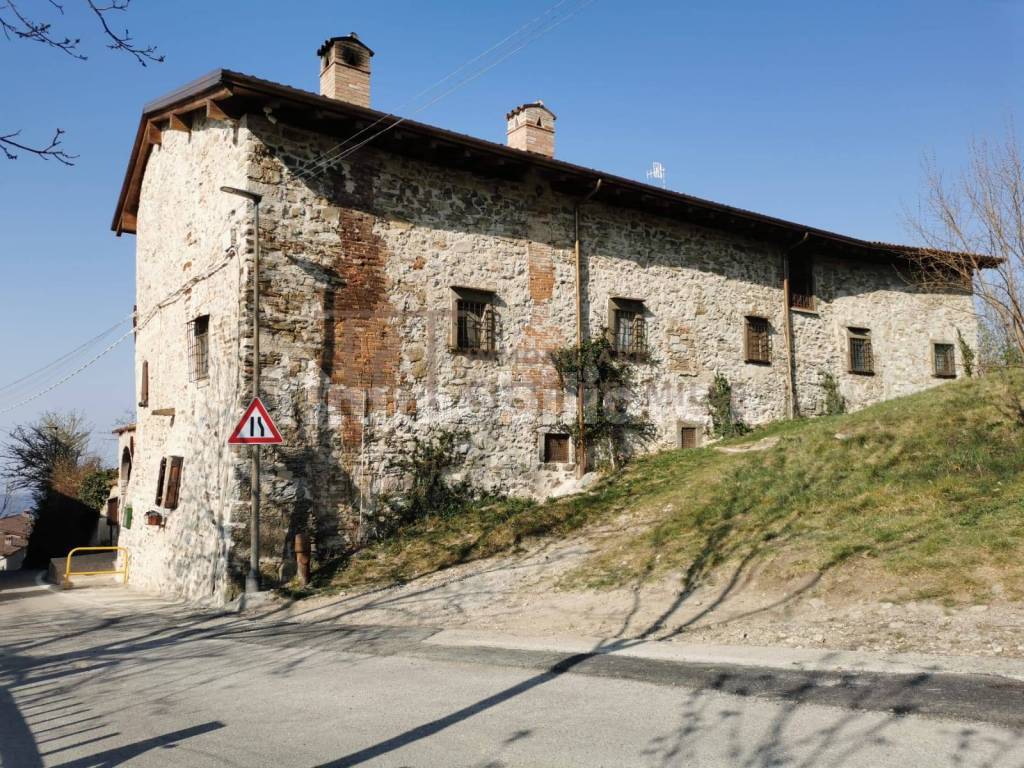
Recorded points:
102,676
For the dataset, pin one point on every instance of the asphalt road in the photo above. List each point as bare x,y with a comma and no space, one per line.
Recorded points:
102,677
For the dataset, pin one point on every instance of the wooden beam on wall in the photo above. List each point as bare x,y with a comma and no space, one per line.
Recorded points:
177,124
214,112
152,134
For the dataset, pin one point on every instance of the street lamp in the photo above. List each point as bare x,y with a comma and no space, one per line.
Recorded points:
252,581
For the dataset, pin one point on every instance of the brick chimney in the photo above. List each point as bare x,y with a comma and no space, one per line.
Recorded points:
532,127
345,69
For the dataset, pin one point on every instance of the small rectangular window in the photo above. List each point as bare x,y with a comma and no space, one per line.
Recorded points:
160,482
173,483
801,283
861,356
944,361
144,385
473,329
199,348
758,341
628,326
556,449
688,437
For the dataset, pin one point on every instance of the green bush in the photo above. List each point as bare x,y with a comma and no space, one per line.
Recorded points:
835,403
723,418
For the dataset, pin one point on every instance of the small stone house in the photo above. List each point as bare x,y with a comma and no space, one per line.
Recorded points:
413,277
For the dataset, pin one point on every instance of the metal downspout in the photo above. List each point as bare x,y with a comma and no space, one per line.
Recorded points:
581,443
788,328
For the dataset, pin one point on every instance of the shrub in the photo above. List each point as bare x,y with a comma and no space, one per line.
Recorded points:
723,418
835,403
966,354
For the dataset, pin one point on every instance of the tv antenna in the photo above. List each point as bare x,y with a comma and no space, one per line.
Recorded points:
657,172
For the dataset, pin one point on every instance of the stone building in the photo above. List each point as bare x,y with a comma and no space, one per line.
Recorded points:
421,279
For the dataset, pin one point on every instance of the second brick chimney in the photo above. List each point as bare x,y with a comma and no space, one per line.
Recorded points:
345,69
532,127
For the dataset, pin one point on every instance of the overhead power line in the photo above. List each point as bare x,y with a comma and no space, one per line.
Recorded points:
337,153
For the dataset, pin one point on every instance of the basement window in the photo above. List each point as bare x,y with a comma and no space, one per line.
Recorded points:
860,355
199,348
801,284
628,326
473,320
757,341
689,437
556,448
943,361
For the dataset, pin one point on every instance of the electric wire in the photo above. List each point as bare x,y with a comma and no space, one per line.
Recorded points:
333,156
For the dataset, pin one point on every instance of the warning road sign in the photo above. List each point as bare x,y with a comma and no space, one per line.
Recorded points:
256,427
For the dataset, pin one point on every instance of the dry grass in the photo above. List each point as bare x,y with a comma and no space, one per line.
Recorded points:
925,493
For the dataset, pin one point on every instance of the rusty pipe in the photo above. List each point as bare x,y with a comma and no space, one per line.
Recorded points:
581,442
302,557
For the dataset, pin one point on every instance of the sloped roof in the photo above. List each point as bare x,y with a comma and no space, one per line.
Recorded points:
233,94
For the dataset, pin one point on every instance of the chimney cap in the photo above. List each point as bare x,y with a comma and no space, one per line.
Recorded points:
352,37
523,107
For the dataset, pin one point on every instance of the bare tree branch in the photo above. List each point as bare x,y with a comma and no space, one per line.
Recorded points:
10,148
16,25
972,229
123,42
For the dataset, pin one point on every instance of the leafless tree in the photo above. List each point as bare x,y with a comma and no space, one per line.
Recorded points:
39,456
972,227
17,24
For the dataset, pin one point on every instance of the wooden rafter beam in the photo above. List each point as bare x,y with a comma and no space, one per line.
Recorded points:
175,123
152,133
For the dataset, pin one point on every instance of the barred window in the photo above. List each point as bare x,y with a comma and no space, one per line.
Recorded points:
861,356
628,326
758,341
556,449
801,283
688,437
944,361
199,348
474,321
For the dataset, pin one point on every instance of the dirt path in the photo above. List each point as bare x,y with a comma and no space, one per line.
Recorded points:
520,594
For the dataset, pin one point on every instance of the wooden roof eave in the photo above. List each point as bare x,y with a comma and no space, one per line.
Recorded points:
147,135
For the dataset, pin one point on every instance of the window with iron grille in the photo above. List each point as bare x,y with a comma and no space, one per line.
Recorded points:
474,321
556,449
801,283
758,341
628,327
688,437
861,356
944,361
199,348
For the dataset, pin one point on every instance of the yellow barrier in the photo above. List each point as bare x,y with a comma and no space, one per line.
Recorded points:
68,573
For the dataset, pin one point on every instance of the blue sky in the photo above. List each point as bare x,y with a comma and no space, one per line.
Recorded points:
815,111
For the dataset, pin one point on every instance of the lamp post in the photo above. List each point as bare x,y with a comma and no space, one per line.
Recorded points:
252,581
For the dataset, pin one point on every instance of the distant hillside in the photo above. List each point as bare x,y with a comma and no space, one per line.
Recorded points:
920,497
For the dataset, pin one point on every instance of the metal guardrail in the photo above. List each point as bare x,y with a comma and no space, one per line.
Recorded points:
68,573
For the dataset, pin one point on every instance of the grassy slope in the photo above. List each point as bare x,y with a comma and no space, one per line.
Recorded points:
924,494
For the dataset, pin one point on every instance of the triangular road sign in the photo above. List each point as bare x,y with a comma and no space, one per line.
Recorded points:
256,427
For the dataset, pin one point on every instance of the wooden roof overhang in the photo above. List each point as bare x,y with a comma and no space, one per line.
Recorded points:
227,95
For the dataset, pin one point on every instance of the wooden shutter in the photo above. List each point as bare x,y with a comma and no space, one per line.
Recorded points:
688,437
173,483
556,449
144,385
160,482
487,331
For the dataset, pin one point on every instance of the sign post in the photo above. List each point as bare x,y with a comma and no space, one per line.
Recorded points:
255,428
252,581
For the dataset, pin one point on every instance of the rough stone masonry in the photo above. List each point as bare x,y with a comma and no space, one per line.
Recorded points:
368,265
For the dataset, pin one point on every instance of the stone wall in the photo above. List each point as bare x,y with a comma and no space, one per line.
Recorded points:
359,266
191,260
